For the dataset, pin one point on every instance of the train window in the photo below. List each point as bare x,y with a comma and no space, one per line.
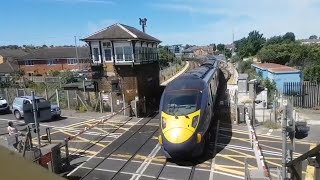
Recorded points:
181,103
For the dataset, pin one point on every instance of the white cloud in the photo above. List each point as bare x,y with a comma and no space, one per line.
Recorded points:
271,17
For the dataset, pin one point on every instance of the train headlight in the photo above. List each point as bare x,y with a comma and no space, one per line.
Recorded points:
163,122
195,121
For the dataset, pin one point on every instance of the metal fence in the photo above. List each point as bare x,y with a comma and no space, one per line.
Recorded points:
67,99
304,95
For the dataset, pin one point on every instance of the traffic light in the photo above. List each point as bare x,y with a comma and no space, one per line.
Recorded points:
302,130
259,87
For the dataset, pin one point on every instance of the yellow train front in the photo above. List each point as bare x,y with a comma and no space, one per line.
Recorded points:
186,109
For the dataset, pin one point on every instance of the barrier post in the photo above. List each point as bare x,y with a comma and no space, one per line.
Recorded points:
67,152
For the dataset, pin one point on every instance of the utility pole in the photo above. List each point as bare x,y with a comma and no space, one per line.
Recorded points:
75,43
284,144
232,41
35,110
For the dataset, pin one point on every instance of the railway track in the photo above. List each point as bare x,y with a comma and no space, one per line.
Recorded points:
137,154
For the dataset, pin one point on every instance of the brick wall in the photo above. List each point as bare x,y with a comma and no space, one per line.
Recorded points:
42,67
137,80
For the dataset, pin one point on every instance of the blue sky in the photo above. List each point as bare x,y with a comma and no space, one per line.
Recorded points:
173,21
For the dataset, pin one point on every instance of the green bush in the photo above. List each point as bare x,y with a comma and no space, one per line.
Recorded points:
82,108
271,125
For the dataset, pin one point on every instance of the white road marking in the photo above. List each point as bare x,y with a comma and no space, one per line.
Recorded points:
93,155
214,151
146,162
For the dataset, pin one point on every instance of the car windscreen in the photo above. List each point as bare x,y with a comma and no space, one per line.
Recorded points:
181,103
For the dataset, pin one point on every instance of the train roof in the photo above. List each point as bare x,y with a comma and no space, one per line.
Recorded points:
186,81
196,78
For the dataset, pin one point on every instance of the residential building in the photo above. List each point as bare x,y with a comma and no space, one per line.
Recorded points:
42,61
310,41
177,50
198,51
278,73
125,61
8,61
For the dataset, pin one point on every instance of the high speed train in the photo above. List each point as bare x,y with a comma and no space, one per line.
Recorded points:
186,108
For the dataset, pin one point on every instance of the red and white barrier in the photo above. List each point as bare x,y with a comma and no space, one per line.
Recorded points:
257,149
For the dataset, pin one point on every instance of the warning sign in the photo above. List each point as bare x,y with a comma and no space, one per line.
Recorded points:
45,159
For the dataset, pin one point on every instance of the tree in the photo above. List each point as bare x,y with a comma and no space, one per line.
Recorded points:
250,45
228,53
274,40
187,46
289,37
214,47
220,47
165,56
44,46
68,77
235,59
313,37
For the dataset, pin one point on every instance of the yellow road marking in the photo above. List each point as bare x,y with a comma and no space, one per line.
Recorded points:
231,171
234,138
278,149
99,129
234,167
85,140
273,163
235,160
81,151
245,155
310,169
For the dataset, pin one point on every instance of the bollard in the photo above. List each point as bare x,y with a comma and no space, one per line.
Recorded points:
67,152
48,135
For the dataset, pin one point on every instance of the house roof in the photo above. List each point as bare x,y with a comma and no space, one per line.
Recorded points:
58,52
8,67
275,68
14,53
121,31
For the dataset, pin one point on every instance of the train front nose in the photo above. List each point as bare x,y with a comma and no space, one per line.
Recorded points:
178,142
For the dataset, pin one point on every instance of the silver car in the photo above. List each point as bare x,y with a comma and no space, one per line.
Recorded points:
17,106
4,107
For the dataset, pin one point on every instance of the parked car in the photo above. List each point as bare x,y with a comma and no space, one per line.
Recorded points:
4,106
17,106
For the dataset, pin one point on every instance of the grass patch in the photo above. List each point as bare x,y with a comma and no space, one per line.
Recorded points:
271,125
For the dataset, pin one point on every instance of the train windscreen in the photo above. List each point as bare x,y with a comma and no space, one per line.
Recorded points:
181,103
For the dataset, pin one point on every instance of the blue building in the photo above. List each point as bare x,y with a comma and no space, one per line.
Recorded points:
278,73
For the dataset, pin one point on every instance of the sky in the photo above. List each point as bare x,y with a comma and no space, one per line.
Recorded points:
199,22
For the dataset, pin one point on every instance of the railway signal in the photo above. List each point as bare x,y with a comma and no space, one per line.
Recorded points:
291,130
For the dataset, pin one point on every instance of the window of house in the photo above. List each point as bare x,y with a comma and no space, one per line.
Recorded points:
107,54
95,54
29,63
127,53
119,53
52,61
73,61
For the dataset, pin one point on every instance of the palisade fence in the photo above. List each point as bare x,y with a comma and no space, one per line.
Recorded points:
170,71
66,99
303,95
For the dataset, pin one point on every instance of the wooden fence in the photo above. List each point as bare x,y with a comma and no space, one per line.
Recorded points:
304,95
66,99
